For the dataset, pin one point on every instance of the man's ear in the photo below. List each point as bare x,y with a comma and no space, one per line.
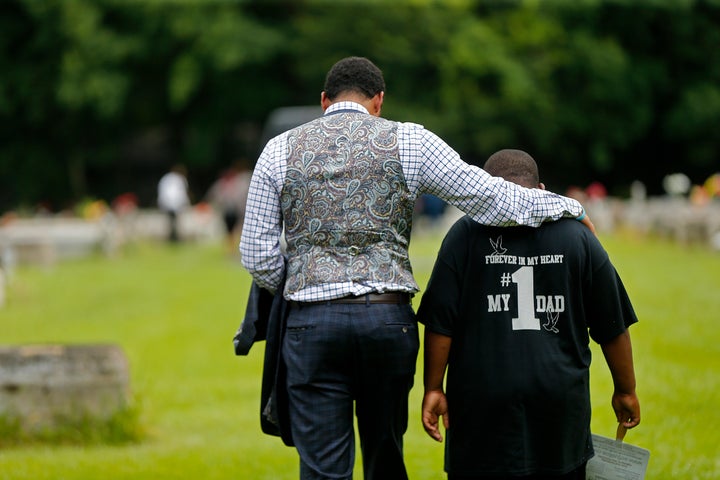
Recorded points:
324,101
377,102
541,186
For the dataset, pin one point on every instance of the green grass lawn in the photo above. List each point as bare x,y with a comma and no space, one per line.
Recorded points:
174,312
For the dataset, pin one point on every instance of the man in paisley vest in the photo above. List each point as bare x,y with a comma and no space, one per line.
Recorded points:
341,190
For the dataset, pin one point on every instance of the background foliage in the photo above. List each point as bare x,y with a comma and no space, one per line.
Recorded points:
99,97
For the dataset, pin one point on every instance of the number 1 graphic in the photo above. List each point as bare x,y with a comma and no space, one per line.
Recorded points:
526,320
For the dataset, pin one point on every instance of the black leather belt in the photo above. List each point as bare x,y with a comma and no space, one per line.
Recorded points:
397,298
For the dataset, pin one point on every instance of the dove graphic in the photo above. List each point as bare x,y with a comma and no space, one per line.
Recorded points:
552,319
497,246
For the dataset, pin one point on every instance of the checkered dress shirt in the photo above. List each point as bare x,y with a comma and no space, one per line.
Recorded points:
430,166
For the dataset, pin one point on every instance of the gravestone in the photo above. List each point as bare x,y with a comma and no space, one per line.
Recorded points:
42,386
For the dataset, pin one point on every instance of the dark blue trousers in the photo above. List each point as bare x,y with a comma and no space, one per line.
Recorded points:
341,356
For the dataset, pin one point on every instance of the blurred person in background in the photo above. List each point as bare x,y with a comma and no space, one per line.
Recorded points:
173,197
228,195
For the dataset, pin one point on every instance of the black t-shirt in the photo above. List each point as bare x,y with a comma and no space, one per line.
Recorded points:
521,304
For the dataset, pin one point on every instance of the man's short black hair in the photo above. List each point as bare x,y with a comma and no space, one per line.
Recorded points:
514,166
354,74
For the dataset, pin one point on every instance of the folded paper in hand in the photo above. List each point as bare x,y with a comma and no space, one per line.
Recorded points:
616,460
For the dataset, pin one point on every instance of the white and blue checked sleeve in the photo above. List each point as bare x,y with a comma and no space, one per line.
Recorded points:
262,228
432,166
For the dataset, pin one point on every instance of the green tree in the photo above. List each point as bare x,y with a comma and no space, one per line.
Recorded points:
85,77
100,96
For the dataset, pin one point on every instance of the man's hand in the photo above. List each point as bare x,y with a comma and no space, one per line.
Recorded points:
588,223
434,406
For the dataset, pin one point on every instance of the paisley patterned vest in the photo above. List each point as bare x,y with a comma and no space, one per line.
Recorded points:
346,205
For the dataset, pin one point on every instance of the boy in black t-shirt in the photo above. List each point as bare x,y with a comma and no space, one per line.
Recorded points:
511,311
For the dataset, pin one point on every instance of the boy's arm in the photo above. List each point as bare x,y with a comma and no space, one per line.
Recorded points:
437,349
618,355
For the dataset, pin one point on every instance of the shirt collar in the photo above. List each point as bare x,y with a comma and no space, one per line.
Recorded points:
346,106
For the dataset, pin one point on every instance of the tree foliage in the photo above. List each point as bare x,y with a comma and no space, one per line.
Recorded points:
98,97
